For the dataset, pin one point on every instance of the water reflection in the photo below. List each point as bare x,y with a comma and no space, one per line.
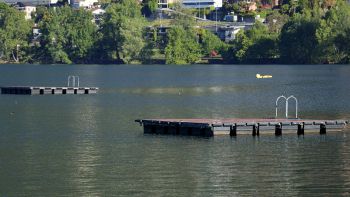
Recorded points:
85,149
196,90
90,145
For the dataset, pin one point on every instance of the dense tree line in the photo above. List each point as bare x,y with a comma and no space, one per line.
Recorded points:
299,32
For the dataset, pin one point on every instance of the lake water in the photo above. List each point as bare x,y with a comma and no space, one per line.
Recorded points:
89,145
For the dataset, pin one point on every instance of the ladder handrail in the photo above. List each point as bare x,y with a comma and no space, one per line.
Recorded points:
287,105
73,78
78,80
69,77
296,104
278,98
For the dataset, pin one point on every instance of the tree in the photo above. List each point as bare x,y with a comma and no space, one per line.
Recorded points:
210,43
333,27
275,21
122,31
342,43
183,17
256,45
53,39
39,13
15,33
182,46
67,36
298,40
264,50
132,34
240,46
81,36
149,7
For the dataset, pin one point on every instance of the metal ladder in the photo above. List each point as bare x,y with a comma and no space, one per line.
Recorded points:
287,105
71,81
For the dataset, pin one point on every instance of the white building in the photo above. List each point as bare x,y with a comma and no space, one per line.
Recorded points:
191,3
202,3
165,3
31,2
83,3
28,10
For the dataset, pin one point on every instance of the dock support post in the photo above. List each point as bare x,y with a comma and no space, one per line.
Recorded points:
148,129
322,129
185,131
278,129
255,130
301,129
209,132
177,130
196,131
172,130
161,129
233,130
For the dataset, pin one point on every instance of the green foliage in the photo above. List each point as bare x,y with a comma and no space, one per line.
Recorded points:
39,13
123,31
131,34
211,42
264,50
240,46
182,46
149,7
184,18
264,13
342,44
256,45
203,12
275,21
298,40
300,32
15,33
67,35
333,28
285,9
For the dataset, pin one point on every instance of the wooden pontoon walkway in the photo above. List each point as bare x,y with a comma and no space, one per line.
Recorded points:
211,127
32,90
72,87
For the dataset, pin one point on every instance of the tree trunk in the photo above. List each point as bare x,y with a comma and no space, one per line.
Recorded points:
14,57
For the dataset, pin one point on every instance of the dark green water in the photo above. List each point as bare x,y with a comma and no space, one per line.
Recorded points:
88,145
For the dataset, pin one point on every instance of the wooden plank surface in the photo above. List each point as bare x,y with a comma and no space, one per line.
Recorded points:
245,122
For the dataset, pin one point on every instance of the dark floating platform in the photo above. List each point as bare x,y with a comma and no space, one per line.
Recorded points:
232,127
34,90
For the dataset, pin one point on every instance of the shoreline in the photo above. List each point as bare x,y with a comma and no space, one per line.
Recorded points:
145,64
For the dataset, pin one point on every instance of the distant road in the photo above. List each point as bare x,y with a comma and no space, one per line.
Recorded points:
219,23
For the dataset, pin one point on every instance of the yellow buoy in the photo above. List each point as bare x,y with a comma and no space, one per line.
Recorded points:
258,76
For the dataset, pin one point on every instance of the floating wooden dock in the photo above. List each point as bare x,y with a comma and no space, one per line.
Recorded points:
255,127
73,87
32,90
